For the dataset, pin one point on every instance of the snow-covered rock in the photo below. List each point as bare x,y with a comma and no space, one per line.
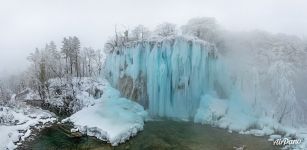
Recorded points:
275,136
113,119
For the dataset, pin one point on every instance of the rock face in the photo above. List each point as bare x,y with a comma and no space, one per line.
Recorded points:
168,76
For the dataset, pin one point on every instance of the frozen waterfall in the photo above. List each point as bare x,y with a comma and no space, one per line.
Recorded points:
168,77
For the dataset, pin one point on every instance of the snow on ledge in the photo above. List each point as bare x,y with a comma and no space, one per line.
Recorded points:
113,120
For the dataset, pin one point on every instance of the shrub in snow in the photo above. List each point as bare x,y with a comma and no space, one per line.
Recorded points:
72,95
6,116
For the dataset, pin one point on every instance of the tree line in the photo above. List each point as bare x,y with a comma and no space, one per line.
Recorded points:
67,62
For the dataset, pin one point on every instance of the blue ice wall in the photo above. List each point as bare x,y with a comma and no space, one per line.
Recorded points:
176,72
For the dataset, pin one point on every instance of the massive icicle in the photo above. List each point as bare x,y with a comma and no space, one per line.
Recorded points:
169,76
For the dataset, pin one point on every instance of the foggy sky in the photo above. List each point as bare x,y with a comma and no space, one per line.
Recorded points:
27,24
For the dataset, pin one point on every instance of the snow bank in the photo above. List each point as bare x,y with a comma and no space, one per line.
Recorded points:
113,119
19,126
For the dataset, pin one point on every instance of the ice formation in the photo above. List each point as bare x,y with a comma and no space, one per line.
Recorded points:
169,76
183,78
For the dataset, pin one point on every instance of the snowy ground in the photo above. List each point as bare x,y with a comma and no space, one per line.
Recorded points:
16,124
110,118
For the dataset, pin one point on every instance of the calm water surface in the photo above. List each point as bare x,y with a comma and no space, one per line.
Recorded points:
157,135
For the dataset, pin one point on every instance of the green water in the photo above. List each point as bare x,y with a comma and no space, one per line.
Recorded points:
157,135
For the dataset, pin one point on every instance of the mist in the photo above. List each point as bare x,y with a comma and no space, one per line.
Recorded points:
26,25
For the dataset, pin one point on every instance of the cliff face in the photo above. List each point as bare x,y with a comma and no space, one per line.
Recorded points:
168,77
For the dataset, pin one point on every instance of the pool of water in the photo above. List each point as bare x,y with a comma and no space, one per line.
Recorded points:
157,135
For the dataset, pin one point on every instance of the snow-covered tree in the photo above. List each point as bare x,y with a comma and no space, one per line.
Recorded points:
140,32
118,40
71,51
53,61
203,28
283,90
87,57
166,29
5,94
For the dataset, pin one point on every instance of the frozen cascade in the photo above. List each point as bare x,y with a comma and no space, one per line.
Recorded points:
169,76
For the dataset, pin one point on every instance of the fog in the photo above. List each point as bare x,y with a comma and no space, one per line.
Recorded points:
25,25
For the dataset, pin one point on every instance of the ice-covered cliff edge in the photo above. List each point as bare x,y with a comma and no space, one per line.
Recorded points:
168,77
